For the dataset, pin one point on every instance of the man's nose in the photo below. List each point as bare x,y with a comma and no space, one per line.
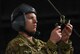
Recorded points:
35,20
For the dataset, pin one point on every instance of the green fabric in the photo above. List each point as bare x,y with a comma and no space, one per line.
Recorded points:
21,45
66,48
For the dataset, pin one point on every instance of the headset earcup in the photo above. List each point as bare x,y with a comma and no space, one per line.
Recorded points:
18,23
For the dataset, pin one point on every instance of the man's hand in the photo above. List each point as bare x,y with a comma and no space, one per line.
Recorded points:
66,32
56,34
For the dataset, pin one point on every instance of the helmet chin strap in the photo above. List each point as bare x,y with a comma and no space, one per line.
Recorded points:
29,33
34,34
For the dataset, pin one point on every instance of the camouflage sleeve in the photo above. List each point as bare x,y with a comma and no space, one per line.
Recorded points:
49,47
65,48
18,49
61,47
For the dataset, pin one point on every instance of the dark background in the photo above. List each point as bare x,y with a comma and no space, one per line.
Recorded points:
47,18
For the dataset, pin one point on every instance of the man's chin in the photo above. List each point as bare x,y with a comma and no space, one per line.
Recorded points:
34,31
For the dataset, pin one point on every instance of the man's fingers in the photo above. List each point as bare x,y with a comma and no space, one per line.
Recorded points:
69,21
67,32
58,27
69,27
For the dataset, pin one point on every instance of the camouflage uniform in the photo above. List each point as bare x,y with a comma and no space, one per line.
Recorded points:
21,45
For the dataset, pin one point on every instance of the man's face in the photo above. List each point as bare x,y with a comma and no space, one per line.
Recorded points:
31,22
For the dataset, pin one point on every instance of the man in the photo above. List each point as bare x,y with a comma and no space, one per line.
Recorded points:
24,21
